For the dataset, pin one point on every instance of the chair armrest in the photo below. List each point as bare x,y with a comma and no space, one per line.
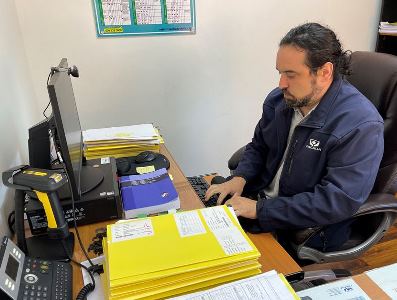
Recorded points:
235,159
300,236
378,203
374,204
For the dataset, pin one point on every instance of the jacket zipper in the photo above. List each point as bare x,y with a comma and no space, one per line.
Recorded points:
292,146
291,156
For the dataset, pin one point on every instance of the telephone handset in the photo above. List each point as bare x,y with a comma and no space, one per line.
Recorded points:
25,278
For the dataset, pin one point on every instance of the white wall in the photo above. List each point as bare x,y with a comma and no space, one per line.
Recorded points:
205,90
18,105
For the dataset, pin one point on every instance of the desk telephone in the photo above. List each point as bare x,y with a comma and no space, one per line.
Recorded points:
25,278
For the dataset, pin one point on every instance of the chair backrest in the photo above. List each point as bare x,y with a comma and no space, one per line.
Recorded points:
375,75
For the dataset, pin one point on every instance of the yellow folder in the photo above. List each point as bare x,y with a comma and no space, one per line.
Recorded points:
175,253
164,248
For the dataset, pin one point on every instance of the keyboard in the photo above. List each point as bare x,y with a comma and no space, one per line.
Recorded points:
200,186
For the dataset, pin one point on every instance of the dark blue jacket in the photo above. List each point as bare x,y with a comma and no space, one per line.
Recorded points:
331,164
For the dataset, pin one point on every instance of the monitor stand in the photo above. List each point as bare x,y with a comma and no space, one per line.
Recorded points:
43,247
90,178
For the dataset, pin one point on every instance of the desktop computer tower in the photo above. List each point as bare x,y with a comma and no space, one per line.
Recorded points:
39,145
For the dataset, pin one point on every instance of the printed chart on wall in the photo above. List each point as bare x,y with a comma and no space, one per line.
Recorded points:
141,17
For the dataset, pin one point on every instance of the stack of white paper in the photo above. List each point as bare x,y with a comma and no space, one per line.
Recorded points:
121,141
388,28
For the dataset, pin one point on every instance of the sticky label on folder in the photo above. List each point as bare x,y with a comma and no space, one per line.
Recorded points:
132,230
144,170
189,223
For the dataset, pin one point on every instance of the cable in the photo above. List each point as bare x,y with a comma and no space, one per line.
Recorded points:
88,288
49,102
48,105
91,286
85,290
11,221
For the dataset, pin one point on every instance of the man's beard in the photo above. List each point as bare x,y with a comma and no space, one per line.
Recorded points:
296,103
309,99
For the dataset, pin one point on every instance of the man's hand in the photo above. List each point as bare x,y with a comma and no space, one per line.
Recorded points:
232,187
242,206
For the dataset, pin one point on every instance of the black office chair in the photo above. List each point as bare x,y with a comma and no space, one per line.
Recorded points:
374,75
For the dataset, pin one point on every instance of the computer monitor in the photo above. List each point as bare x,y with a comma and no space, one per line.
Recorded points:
66,132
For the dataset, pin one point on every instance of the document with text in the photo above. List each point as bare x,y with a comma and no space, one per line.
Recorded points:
266,286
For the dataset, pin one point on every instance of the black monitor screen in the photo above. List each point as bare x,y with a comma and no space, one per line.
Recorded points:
12,267
68,129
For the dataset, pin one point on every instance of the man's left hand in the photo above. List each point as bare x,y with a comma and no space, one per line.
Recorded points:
242,206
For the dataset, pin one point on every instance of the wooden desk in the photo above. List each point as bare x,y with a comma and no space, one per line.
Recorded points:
273,255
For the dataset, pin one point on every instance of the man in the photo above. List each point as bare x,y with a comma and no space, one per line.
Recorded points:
316,150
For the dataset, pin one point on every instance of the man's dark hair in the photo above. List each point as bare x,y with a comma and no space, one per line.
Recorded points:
321,46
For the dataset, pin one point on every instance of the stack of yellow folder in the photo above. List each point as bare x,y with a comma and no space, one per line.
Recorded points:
166,255
121,141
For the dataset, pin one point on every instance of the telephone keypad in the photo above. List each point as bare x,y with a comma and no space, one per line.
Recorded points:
26,278
47,280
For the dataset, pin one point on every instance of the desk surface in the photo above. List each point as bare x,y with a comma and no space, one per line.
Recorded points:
273,256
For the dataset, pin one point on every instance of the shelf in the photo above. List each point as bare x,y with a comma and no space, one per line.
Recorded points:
388,34
386,42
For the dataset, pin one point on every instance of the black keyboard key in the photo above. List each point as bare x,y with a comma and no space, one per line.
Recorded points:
201,186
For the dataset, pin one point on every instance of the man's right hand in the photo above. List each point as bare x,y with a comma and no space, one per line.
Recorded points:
232,187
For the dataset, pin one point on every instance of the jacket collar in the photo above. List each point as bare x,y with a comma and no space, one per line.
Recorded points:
318,117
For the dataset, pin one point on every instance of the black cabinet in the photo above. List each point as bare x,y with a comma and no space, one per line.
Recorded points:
387,43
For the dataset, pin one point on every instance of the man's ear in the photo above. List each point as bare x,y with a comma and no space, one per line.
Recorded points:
326,72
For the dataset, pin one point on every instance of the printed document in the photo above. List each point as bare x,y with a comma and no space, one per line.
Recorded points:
266,286
337,290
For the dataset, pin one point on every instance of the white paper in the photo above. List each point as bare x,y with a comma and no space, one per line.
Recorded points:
266,286
232,241
386,279
133,132
132,230
116,12
227,234
178,11
346,289
148,12
189,223
105,160
231,210
217,218
97,293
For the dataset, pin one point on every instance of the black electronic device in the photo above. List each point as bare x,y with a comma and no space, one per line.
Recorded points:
22,277
200,186
39,145
130,165
99,204
57,242
145,156
92,184
43,154
66,130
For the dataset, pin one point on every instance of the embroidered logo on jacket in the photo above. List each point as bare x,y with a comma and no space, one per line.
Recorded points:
314,145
